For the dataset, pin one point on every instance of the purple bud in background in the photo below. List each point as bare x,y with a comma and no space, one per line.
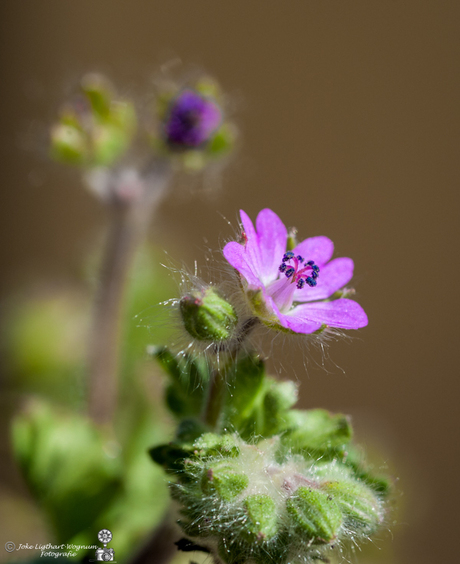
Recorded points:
191,120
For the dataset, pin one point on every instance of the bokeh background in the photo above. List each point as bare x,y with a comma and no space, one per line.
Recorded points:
349,121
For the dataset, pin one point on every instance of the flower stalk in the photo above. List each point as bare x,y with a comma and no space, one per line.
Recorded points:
129,221
217,385
215,396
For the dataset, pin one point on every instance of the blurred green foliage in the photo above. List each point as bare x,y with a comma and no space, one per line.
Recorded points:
85,478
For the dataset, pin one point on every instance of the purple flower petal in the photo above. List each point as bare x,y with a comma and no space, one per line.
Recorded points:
281,292
290,322
332,277
272,236
318,249
299,325
238,257
258,260
252,243
342,313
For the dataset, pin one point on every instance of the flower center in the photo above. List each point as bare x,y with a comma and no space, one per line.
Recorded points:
298,270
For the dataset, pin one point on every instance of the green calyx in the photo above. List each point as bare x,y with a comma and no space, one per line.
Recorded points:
315,515
210,445
259,307
361,507
262,518
222,479
207,315
68,144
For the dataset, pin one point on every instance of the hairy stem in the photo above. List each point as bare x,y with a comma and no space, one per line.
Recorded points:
129,222
214,399
217,387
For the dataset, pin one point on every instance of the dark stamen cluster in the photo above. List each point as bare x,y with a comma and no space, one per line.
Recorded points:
306,275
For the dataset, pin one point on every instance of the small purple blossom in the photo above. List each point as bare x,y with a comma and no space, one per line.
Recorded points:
291,289
191,120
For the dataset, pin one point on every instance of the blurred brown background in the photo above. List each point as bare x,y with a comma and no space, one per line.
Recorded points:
349,122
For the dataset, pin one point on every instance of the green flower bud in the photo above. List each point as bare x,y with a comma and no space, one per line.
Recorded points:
97,129
123,116
109,141
68,144
224,480
210,444
318,431
250,503
262,518
362,508
99,92
208,316
223,141
315,515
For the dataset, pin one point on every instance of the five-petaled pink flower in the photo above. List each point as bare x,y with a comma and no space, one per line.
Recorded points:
292,290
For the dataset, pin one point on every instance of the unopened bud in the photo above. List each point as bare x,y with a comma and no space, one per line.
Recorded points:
362,508
262,517
108,143
315,515
191,120
208,316
222,478
191,125
68,144
99,92
95,129
210,444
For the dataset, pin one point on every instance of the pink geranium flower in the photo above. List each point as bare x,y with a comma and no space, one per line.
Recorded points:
292,290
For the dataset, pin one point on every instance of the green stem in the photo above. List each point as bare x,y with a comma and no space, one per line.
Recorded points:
215,399
225,356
